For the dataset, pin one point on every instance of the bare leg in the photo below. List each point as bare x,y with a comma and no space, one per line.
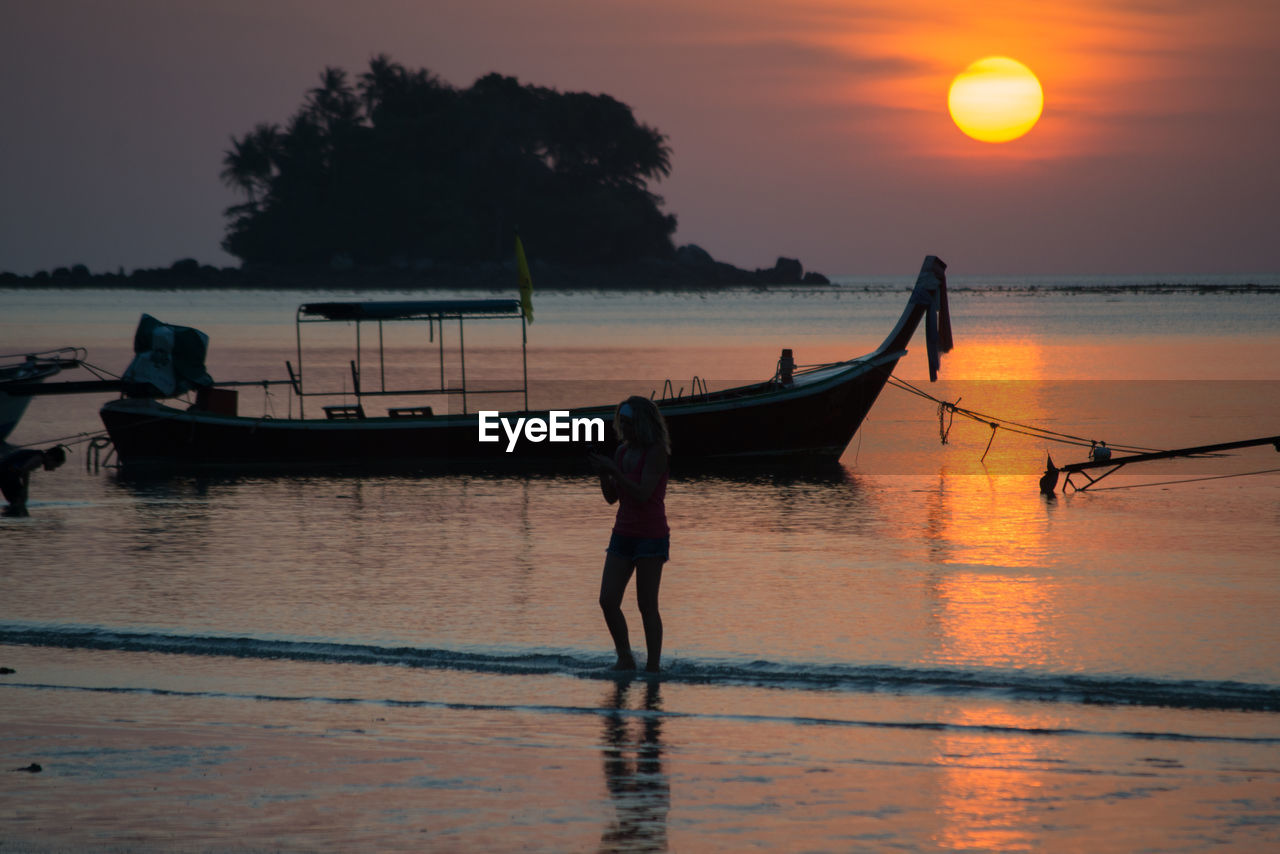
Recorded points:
648,579
14,488
613,583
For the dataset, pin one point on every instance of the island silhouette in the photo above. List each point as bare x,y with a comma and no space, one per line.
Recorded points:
398,178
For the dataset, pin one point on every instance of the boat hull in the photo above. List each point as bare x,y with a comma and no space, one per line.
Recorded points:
17,378
11,411
811,420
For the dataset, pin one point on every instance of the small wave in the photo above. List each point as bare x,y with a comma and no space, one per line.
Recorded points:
618,711
1012,685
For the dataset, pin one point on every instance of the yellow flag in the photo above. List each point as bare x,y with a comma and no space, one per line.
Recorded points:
526,282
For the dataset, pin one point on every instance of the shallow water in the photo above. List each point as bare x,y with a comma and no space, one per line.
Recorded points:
913,650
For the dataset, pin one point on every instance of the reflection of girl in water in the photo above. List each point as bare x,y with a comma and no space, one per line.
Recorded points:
636,478
633,772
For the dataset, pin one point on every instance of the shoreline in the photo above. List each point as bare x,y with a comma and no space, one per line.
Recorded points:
690,269
649,276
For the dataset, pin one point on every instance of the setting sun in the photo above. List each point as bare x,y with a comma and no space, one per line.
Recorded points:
995,99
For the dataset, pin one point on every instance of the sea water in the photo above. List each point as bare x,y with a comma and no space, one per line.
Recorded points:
914,650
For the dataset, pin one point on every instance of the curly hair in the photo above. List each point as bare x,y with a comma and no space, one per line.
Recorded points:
650,426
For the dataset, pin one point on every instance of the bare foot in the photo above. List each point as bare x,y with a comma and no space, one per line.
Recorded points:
625,662
652,668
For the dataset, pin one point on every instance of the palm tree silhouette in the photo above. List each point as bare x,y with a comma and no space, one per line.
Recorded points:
248,164
402,164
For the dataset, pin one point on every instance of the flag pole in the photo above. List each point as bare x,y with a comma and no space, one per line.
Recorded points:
526,312
526,281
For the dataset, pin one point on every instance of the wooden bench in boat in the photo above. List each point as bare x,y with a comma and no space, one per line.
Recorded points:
410,412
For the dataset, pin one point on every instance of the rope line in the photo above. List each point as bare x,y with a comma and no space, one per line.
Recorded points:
950,410
1184,480
90,436
75,439
98,371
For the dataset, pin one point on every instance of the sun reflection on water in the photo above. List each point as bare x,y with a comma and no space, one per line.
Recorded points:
990,521
997,359
992,787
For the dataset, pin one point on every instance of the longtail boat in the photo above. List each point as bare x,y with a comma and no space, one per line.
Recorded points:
798,415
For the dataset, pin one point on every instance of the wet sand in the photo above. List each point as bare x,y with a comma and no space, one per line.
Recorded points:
599,765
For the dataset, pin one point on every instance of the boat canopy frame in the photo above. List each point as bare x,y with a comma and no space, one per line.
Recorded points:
435,313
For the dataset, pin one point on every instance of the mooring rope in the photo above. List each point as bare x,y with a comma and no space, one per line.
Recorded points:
1184,480
87,436
74,439
948,410
98,371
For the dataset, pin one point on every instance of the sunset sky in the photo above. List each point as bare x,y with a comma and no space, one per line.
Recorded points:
814,129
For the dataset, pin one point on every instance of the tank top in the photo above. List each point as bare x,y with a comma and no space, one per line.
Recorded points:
636,518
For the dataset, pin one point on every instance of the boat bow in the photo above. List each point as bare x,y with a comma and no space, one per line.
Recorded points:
928,302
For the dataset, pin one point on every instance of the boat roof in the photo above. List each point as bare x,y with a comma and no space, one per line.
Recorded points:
409,309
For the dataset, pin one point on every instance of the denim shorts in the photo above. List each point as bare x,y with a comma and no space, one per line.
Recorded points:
633,548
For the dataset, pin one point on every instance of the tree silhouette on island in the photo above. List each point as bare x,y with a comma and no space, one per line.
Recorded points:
403,165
